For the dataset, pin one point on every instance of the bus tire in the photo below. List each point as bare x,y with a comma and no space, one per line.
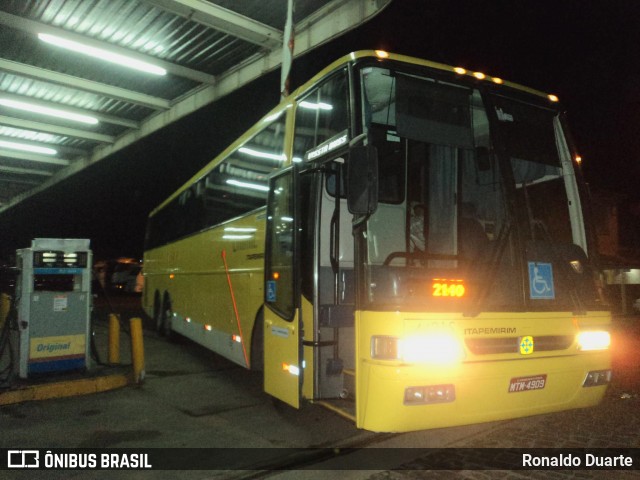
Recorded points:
166,315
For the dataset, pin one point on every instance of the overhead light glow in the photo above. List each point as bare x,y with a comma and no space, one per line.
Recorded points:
259,154
272,117
479,75
552,97
240,229
52,112
252,186
382,54
28,148
460,70
102,54
237,237
497,80
315,106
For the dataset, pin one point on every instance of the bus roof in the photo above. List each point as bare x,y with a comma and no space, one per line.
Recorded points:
353,56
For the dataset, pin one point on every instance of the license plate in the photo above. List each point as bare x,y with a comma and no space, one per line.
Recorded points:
524,384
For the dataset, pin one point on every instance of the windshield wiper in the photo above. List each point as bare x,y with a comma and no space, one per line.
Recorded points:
489,273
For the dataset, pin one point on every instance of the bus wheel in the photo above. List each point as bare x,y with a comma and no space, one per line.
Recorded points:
165,318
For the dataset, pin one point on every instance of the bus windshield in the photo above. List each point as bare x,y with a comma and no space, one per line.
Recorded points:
457,225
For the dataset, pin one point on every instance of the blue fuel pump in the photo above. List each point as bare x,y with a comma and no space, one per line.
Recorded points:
53,298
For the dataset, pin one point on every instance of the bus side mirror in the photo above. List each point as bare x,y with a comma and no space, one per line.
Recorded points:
362,180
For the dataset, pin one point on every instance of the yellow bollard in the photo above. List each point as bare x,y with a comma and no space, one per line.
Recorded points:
137,349
5,305
114,339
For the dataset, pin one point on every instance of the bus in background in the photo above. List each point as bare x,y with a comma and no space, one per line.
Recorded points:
403,242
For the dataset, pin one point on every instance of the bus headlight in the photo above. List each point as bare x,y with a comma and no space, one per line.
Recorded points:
439,348
594,340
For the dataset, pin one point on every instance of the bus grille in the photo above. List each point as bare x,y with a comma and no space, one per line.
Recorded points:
488,346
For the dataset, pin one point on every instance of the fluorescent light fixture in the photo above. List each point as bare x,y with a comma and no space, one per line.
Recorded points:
316,106
253,186
52,112
237,237
102,54
28,148
241,229
259,154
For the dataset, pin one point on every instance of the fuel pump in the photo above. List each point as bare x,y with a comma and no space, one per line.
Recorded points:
53,295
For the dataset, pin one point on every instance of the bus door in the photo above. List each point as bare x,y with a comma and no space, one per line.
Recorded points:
283,370
334,339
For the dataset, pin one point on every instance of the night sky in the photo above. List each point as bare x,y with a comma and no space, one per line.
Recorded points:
586,52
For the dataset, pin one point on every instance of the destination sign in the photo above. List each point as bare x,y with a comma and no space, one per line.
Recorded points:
328,146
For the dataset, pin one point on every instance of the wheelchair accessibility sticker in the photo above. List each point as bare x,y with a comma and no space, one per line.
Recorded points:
541,281
271,291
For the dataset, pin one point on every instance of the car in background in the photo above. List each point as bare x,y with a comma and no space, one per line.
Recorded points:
127,277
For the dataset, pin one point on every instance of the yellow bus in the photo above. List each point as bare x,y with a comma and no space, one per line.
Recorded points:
403,242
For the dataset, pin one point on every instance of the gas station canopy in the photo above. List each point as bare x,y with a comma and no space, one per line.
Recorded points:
82,79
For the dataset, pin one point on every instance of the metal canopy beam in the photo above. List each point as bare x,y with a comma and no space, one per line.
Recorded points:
100,116
32,157
48,128
86,85
25,171
22,181
224,20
